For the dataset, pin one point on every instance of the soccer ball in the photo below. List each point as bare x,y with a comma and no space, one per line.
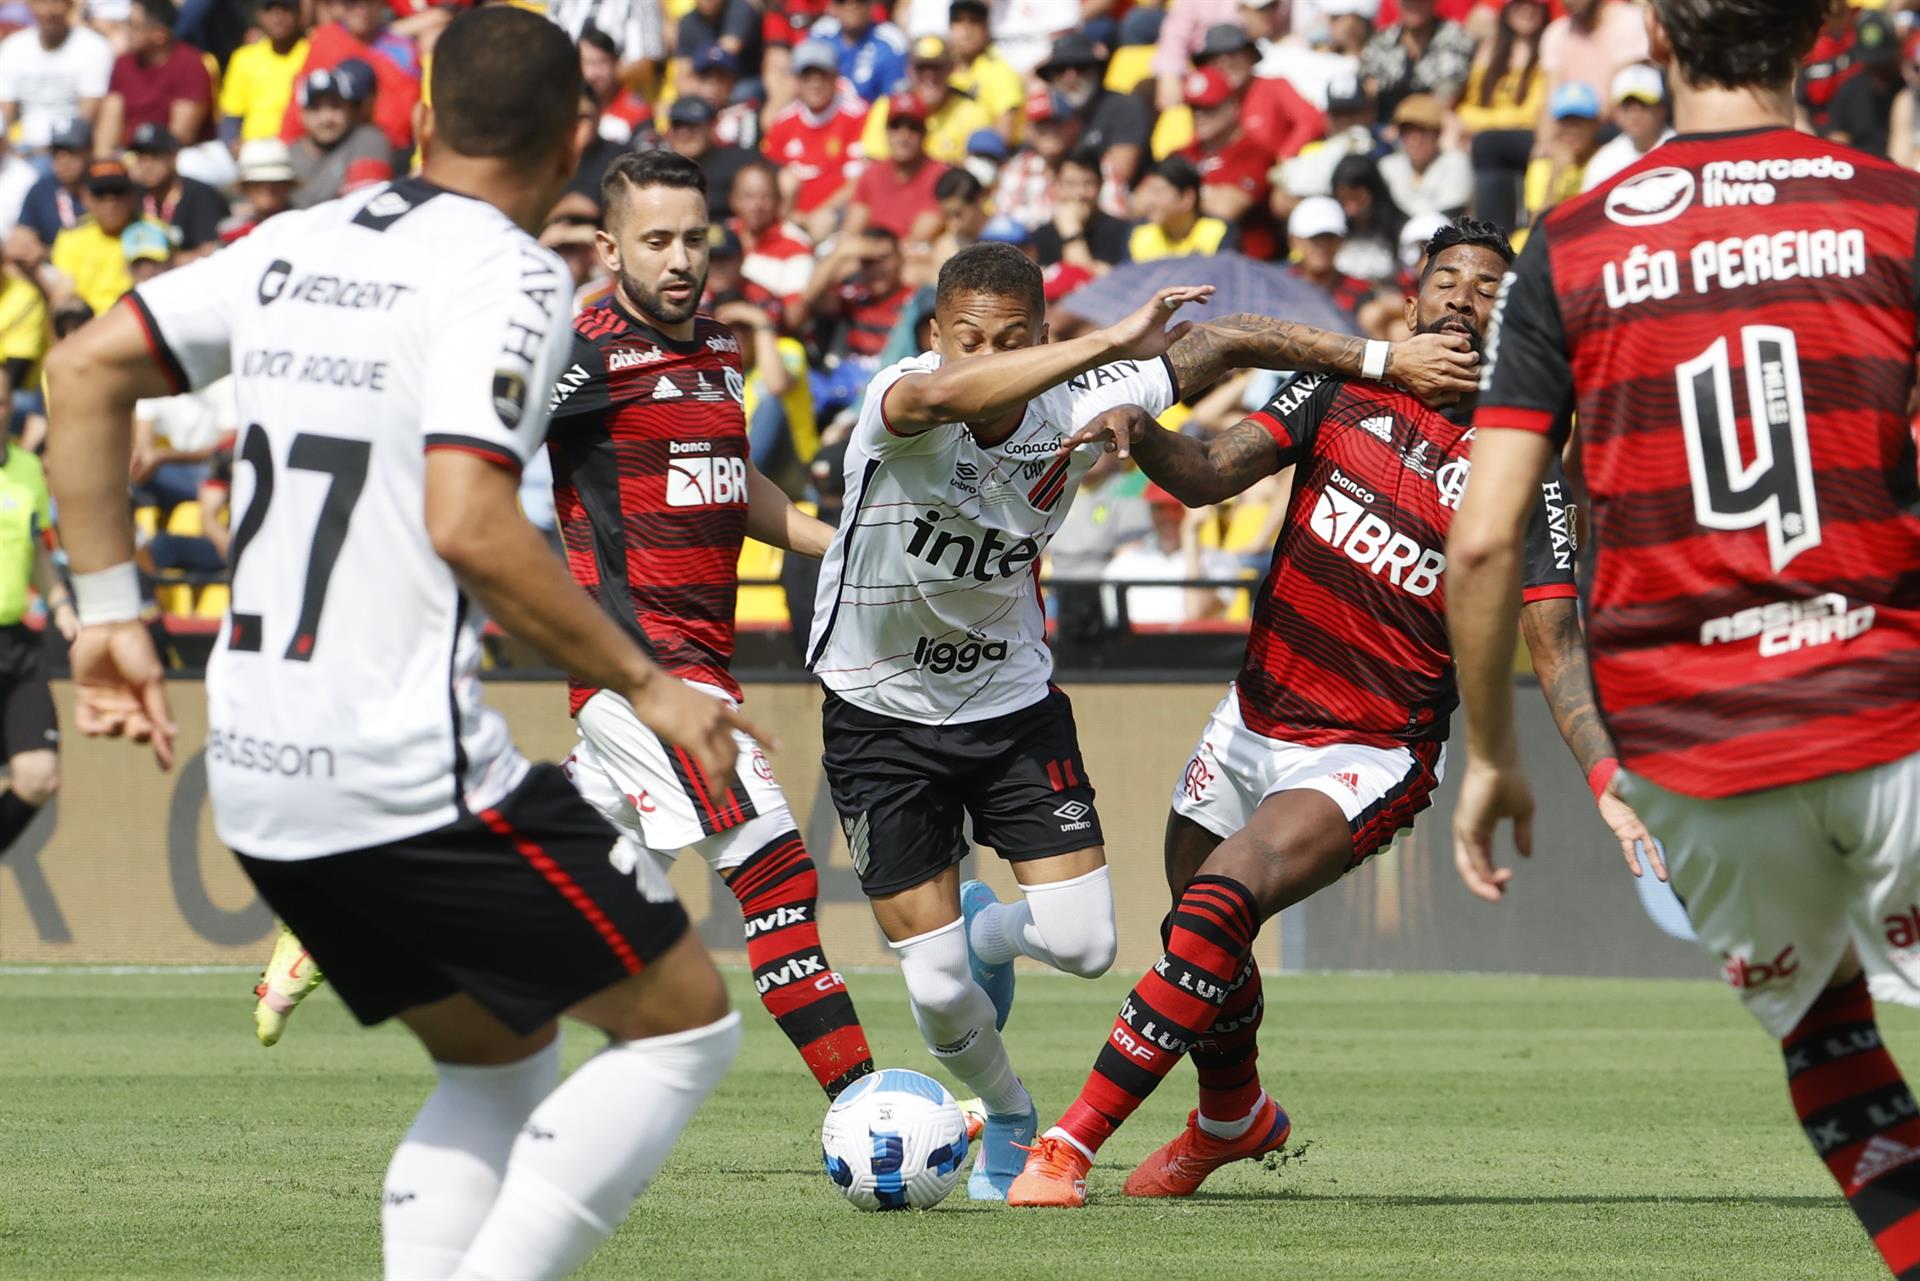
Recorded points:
894,1140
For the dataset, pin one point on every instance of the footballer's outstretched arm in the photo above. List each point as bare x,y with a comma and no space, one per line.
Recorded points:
772,518
982,388
1438,368
1199,473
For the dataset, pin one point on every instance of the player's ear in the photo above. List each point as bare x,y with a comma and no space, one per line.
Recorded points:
1044,332
1659,48
1412,311
423,125
607,249
933,332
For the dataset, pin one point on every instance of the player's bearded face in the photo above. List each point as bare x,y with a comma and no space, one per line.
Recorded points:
662,252
1458,293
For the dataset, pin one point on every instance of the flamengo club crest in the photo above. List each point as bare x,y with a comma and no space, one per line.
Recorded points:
1451,481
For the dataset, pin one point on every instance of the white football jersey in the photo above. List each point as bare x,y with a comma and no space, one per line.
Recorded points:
929,603
343,701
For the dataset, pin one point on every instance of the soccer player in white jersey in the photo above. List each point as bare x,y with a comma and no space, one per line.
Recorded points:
391,353
930,637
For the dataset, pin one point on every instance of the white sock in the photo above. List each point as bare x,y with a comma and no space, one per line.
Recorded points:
1233,1129
956,1018
1066,924
592,1147
1057,1133
445,1174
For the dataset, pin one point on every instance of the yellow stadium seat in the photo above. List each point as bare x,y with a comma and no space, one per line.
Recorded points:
1172,132
174,598
1175,417
1244,526
760,605
147,521
185,521
1131,64
213,601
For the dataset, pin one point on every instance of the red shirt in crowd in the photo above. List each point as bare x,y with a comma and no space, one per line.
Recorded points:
393,99
822,151
785,25
1243,163
780,261
1278,118
150,89
869,317
894,204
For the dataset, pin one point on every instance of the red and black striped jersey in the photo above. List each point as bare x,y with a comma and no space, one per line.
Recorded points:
649,450
1349,641
1734,319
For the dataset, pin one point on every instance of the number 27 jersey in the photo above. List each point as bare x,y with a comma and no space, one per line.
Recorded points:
343,701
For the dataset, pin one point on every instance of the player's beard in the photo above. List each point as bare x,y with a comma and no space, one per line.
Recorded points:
1454,323
653,305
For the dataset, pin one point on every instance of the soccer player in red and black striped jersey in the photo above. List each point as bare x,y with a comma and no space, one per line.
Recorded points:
1733,318
1334,736
655,490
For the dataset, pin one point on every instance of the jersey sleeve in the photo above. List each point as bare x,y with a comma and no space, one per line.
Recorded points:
188,314
1150,384
1552,543
874,432
581,393
501,340
1293,414
1526,382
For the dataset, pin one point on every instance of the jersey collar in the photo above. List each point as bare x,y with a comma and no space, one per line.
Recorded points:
647,331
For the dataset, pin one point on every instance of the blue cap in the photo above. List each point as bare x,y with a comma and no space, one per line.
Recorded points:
714,58
986,142
1002,230
145,239
1574,100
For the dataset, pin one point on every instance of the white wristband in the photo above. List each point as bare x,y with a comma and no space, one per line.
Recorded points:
1373,364
107,595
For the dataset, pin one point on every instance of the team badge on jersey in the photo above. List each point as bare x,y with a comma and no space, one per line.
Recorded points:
509,396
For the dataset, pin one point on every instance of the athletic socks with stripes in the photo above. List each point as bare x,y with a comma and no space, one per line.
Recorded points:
779,888
1861,1118
1176,1003
1227,1059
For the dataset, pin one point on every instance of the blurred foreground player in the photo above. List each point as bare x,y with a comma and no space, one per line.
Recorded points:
1734,320
1334,735
376,803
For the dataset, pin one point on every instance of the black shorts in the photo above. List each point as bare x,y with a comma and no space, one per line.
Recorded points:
903,788
518,906
28,721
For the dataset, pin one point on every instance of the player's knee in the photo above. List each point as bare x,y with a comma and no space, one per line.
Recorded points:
940,992
1075,920
36,777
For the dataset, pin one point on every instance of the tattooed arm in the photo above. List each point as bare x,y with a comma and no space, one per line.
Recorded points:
1197,472
1438,368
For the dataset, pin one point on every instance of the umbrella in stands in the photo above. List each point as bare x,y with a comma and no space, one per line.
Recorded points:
1240,285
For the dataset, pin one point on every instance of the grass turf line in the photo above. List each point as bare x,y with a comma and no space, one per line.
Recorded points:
1453,1127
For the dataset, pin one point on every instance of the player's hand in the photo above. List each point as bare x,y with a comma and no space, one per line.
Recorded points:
1438,368
704,726
1488,794
1143,335
119,687
1114,430
1632,833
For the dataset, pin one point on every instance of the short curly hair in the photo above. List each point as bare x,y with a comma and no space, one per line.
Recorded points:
997,270
1466,231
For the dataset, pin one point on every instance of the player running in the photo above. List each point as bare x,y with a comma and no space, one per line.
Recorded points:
1734,320
930,638
1334,735
654,489
391,354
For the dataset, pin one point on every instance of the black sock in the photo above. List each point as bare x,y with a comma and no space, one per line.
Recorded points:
15,814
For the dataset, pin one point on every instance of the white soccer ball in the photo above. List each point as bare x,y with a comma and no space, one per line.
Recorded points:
894,1140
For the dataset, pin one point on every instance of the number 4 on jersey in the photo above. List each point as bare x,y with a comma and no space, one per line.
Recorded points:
346,462
1776,488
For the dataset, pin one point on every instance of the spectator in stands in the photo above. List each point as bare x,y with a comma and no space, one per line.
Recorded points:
1506,97
781,434
1272,112
1182,34
358,35
371,23
730,25
17,178
986,155
1640,110
963,204
52,72
777,255
1328,51
59,200
1080,233
1373,220
1421,53
726,261
951,117
159,81
1025,188
1827,66
872,55
148,249
1115,124
816,142
1423,176
1862,110
716,77
336,111
1317,232
980,71
24,326
1108,513
1571,142
266,181
690,134
1169,200
858,293
207,552
1591,41
896,194
1172,552
637,31
1350,118
621,111
89,254
599,153
259,79
192,208
1233,166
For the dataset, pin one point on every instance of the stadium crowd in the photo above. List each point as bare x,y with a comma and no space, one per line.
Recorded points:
851,146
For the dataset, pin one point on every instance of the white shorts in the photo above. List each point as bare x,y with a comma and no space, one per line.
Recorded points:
1779,883
658,798
1379,789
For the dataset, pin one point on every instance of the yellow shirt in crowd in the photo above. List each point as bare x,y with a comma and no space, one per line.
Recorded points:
993,83
259,84
95,262
1508,110
24,331
1148,241
948,129
24,513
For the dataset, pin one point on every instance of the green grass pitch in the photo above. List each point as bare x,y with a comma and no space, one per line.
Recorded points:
1445,1127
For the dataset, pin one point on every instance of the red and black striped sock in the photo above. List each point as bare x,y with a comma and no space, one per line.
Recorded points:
1857,1110
1227,1057
1174,1004
779,889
